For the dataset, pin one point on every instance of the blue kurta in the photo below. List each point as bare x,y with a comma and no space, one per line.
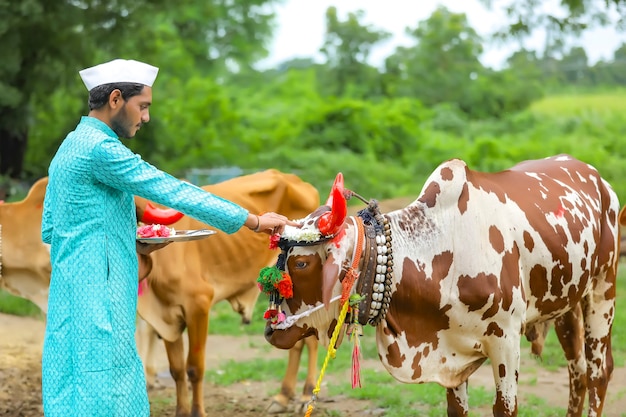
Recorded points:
90,365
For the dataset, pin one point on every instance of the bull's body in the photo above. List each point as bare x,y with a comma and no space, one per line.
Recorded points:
478,259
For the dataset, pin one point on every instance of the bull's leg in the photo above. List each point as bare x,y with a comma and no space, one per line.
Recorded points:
505,362
176,358
570,331
197,317
599,313
288,386
457,401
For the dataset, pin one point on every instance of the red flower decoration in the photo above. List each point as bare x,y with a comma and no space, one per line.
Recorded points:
270,313
274,239
285,286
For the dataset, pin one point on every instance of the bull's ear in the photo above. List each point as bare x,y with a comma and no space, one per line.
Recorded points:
330,274
155,215
330,222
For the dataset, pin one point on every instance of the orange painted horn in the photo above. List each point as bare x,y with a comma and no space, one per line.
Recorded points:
330,222
155,215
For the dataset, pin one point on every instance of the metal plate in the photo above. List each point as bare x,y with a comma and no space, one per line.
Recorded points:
180,236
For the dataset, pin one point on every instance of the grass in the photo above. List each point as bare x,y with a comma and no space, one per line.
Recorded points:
613,102
378,387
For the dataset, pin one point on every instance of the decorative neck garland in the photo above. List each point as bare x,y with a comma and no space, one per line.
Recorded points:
0,251
376,277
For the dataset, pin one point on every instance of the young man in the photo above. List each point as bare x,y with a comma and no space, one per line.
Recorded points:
90,365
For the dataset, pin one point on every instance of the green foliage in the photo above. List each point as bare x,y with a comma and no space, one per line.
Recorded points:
10,304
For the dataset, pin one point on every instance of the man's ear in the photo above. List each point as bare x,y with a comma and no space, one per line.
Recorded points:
115,99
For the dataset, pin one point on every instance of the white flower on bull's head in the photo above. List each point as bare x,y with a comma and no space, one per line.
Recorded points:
307,233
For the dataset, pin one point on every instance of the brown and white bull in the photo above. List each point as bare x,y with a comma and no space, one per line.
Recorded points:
459,275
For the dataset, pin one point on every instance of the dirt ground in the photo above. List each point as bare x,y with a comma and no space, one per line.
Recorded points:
20,379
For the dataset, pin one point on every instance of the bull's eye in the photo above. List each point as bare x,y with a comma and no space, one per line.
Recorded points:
300,264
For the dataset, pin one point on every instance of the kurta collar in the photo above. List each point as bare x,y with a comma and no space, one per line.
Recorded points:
98,124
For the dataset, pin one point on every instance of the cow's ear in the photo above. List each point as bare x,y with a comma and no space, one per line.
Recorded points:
330,274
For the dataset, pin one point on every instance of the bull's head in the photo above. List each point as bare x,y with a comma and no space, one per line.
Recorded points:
312,256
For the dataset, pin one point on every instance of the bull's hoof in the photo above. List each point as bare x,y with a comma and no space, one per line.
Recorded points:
276,408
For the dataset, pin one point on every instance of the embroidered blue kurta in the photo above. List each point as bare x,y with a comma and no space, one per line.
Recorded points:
90,365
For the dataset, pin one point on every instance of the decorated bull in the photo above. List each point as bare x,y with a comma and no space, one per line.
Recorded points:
459,275
188,278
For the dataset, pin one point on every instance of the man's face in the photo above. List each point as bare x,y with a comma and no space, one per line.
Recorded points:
132,113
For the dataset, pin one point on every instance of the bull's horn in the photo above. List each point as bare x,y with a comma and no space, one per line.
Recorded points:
338,184
155,215
330,222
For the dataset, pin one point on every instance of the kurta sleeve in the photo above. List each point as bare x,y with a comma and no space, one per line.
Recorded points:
117,166
46,219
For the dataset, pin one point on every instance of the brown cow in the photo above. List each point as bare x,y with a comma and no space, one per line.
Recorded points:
456,277
24,258
188,278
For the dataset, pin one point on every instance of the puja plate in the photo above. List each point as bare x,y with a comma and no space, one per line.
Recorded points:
180,236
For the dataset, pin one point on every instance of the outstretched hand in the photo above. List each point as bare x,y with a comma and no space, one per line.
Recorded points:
270,223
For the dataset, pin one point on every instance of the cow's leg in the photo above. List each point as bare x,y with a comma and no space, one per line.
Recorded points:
570,331
458,404
598,314
288,386
505,362
176,358
197,317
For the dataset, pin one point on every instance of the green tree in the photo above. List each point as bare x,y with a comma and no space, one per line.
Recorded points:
44,43
443,62
561,19
347,46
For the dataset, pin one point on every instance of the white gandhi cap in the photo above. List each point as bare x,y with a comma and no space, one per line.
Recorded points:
119,71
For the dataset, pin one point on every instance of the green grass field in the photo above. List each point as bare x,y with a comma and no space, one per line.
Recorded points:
608,103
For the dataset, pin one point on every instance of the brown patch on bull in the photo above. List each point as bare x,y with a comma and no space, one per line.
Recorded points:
447,174
496,239
494,329
475,292
394,357
510,276
463,199
429,196
417,368
414,309
307,280
529,242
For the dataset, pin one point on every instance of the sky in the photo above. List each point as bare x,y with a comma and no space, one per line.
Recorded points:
300,28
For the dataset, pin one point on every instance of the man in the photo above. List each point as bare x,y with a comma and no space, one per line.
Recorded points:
90,365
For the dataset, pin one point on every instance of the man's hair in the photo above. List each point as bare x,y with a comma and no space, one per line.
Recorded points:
99,96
